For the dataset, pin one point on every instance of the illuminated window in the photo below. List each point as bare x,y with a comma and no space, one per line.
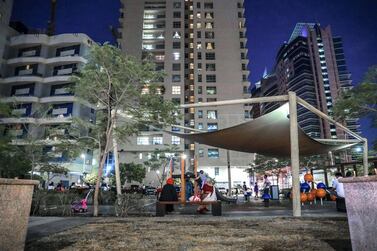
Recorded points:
211,90
198,15
200,114
211,114
213,153
198,45
212,127
192,110
176,90
157,140
210,46
198,25
177,35
176,55
160,57
192,147
200,126
175,140
209,25
209,15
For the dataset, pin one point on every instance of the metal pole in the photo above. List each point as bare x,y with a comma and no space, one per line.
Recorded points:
295,159
183,181
238,101
229,173
365,157
325,116
195,173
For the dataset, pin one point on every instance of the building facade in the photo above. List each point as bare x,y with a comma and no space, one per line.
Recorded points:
36,79
311,64
201,45
5,30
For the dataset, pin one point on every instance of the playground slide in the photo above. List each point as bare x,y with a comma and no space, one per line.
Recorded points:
221,197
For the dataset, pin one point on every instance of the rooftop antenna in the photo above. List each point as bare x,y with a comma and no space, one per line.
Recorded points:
51,22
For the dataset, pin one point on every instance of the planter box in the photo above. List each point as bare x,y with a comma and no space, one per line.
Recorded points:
361,203
15,203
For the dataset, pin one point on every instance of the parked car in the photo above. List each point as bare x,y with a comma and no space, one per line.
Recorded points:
150,190
222,190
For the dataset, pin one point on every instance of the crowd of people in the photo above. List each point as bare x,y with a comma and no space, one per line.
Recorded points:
201,190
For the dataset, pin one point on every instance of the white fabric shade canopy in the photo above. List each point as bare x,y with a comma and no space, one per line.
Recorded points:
267,135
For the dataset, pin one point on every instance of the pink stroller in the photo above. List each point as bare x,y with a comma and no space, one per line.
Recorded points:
81,206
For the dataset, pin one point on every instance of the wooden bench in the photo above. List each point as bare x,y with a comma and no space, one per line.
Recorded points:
215,206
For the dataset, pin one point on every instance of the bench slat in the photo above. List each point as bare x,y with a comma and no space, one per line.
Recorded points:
188,202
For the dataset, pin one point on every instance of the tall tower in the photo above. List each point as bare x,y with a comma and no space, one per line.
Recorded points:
201,45
312,65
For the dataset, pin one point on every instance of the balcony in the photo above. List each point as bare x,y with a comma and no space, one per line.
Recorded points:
63,98
24,120
33,39
25,60
55,120
20,99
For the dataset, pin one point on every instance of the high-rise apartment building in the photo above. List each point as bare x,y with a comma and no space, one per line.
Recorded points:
201,45
36,77
5,30
311,64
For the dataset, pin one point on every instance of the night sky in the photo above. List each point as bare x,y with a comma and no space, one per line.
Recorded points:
269,24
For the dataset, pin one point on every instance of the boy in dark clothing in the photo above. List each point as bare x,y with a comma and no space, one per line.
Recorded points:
169,193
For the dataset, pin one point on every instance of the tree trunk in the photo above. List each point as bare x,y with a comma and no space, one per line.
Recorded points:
103,155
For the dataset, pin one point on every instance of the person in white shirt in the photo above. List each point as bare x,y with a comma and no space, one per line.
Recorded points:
338,186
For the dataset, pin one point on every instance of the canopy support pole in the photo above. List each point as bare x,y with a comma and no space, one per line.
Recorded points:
229,174
365,157
183,181
295,159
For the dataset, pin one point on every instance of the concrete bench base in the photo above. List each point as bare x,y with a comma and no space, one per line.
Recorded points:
215,206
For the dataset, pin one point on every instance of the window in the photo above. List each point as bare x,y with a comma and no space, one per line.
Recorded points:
199,78
198,25
209,15
210,56
212,127
177,5
176,90
211,99
211,90
247,114
200,114
200,90
157,140
176,101
177,35
175,140
210,67
176,55
217,171
176,45
208,5
201,152
198,5
175,129
199,55
176,78
176,14
211,78
199,15
213,153
209,35
210,46
176,67
244,78
142,141
212,114
209,25
200,126
176,24
199,34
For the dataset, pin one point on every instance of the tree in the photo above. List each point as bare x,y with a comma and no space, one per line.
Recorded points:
361,101
127,96
131,172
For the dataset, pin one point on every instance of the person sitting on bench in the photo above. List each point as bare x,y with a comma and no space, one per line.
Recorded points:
169,193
